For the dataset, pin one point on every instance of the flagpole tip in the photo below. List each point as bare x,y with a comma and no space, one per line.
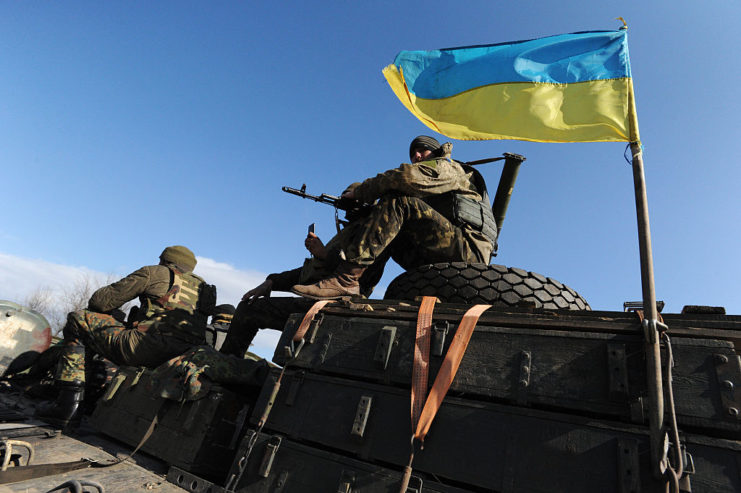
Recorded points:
625,24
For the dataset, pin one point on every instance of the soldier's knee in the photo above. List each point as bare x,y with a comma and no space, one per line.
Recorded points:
71,329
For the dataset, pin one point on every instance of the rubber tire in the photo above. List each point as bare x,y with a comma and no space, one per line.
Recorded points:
496,285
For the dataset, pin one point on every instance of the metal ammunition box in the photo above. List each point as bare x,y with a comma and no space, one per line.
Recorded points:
591,363
485,445
280,465
199,436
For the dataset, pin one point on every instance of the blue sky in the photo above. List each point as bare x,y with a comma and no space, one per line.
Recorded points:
129,126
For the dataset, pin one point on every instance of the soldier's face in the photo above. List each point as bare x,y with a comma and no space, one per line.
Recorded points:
421,154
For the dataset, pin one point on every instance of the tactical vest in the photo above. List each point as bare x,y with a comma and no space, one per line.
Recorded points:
463,210
183,311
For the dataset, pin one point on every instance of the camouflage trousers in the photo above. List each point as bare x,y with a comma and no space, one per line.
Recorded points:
262,313
412,232
190,375
106,336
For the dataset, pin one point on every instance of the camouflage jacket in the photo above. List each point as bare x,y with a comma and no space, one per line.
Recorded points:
426,179
151,282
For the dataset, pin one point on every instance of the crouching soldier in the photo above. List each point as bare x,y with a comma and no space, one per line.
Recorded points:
175,304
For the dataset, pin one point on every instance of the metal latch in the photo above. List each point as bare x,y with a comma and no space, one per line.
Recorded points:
383,347
347,480
361,415
440,330
418,488
314,327
114,386
525,363
271,448
137,376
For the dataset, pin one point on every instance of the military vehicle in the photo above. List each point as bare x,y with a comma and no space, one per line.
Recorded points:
465,378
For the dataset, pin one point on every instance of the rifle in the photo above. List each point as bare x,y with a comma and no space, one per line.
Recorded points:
353,208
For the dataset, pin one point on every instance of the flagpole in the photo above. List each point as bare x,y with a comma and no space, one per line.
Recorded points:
650,328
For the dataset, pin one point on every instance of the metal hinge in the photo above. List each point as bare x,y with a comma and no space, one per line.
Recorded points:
617,372
628,465
728,372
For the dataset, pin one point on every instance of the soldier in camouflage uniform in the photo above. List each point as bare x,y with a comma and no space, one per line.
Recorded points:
432,210
175,304
219,326
258,310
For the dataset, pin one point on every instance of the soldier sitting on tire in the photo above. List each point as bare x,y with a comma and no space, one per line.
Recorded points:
429,211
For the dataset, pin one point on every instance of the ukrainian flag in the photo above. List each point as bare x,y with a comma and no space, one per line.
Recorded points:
567,88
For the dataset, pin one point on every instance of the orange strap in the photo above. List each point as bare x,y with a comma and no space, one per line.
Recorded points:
448,369
304,326
421,366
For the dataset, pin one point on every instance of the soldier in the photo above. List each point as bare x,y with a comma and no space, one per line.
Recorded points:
219,326
175,304
258,310
429,211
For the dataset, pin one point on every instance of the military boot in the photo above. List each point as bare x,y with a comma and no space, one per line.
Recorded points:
67,408
344,282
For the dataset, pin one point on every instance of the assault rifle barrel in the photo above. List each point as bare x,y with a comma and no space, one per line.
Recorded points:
324,198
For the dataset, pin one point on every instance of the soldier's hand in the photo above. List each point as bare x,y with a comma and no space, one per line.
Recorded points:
263,290
315,246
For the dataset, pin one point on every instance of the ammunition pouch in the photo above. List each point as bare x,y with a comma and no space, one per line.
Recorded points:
462,210
475,214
